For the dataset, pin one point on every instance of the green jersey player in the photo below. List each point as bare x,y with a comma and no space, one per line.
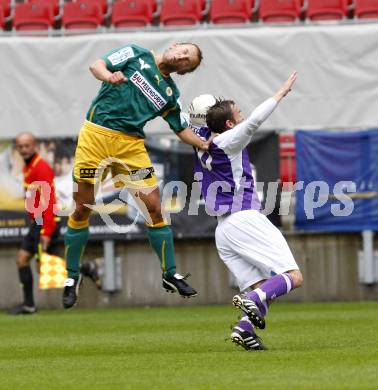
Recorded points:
136,87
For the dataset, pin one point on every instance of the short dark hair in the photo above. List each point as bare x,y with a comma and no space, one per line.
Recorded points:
218,114
199,56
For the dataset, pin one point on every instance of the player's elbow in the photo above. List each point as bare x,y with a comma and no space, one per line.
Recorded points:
92,68
95,66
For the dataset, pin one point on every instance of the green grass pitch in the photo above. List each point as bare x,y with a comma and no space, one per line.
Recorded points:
311,346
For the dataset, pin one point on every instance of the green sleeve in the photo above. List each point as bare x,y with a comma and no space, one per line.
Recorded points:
117,59
176,119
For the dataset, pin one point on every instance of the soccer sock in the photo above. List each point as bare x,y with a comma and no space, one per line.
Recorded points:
161,240
75,240
245,324
272,288
26,279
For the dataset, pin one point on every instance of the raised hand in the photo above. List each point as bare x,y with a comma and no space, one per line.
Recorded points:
286,87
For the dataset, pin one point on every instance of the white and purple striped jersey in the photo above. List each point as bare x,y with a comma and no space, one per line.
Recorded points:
225,169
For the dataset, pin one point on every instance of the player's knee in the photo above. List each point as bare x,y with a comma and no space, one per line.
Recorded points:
22,260
154,209
297,277
81,212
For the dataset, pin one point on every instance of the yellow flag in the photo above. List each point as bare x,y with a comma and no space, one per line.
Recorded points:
52,271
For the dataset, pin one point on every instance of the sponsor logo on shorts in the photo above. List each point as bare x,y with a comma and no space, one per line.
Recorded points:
88,173
141,174
148,91
121,55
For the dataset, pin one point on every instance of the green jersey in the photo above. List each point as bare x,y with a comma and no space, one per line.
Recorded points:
145,95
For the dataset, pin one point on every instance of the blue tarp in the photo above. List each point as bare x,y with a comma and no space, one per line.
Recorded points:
339,171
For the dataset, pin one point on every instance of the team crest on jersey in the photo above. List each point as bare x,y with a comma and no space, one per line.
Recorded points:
143,65
121,55
148,90
169,91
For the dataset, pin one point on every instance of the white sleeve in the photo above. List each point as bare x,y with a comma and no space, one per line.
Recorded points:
236,139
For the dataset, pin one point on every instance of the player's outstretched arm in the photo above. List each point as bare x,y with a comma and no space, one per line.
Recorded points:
100,71
190,138
236,139
263,111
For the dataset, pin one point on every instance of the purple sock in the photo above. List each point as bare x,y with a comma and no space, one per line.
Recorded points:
245,324
274,287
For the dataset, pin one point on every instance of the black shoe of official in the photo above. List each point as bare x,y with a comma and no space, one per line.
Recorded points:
248,340
90,269
177,283
71,291
22,309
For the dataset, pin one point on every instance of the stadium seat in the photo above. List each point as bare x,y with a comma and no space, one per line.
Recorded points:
230,11
277,11
180,12
288,169
82,14
131,13
322,10
2,19
102,3
366,9
55,4
33,16
6,6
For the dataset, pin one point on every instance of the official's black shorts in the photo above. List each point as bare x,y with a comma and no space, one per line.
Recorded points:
31,240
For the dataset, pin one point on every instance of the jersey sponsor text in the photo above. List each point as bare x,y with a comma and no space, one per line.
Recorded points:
146,88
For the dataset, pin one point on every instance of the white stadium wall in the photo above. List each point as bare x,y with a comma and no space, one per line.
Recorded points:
46,87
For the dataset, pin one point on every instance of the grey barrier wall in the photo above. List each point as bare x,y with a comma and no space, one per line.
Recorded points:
49,87
328,261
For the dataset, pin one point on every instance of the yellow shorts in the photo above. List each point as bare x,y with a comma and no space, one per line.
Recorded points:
100,151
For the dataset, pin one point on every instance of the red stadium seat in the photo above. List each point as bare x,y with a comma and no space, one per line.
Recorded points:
33,16
131,13
51,3
230,11
82,14
2,19
288,171
180,12
5,5
272,11
318,10
366,9
153,5
102,3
